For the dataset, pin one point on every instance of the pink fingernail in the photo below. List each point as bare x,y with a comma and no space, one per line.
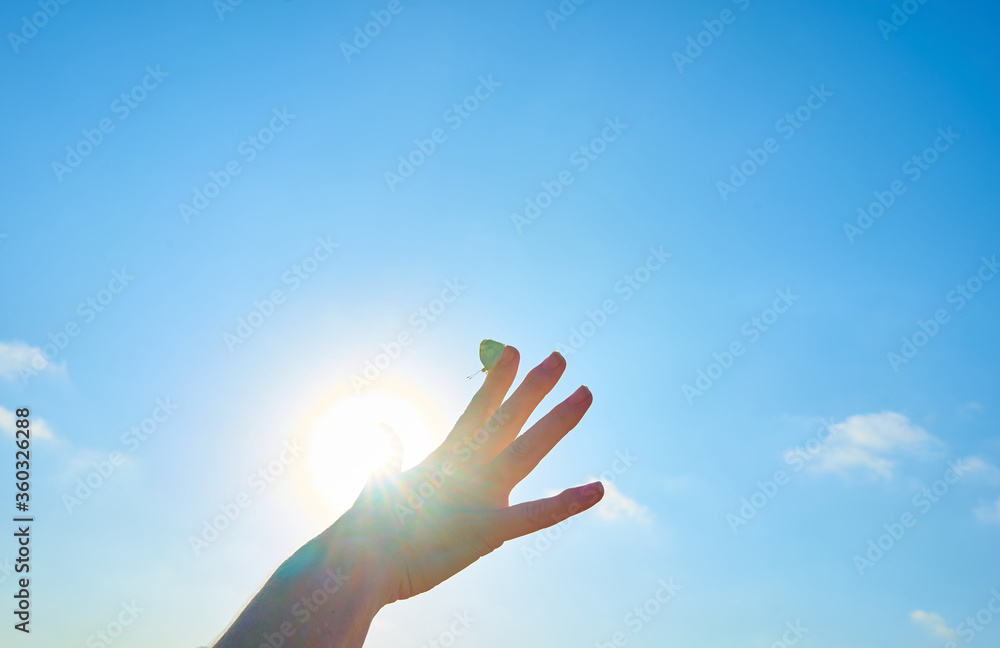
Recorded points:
552,362
508,355
593,491
579,396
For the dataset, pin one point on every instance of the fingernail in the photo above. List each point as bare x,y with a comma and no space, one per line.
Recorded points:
579,396
508,355
552,362
593,491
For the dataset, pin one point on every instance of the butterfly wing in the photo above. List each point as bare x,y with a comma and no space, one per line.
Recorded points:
489,353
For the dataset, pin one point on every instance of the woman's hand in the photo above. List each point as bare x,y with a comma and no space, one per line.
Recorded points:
434,520
409,531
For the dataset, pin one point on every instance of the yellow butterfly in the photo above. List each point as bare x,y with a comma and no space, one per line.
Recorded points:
489,354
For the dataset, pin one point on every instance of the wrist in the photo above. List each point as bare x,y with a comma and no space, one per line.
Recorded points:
348,555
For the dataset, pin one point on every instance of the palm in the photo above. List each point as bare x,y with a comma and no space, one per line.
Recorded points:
442,515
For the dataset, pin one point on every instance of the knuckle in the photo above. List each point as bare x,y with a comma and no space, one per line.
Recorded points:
520,448
515,355
534,513
563,413
498,419
538,378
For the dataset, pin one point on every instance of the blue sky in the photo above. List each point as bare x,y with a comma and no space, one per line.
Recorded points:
590,198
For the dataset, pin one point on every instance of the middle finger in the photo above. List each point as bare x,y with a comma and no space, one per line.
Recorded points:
510,417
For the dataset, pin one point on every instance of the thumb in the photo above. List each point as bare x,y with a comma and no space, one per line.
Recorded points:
381,480
394,462
522,519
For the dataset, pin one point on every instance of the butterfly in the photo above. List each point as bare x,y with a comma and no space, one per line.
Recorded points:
489,354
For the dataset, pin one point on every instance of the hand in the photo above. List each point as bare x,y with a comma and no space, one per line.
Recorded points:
423,526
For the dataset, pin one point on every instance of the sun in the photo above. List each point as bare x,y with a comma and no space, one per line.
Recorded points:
348,441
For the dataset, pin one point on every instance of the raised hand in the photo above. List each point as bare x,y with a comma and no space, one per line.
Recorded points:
432,521
409,531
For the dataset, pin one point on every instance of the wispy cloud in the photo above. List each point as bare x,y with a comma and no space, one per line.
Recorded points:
982,468
616,506
872,444
971,406
39,428
989,512
677,484
15,355
933,623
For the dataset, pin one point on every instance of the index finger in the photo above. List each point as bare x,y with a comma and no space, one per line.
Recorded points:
489,397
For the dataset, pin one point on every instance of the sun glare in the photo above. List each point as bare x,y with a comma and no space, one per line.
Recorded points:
348,442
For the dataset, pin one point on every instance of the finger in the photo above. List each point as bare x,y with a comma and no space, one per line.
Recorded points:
488,398
523,454
507,421
394,462
383,479
522,519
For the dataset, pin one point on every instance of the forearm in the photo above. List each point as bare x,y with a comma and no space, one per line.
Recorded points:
324,596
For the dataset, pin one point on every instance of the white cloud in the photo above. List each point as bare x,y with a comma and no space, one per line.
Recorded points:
39,428
934,623
871,443
677,484
16,355
617,506
980,466
989,512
